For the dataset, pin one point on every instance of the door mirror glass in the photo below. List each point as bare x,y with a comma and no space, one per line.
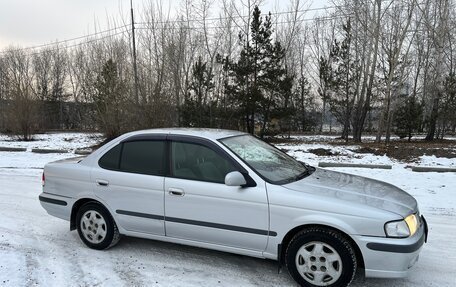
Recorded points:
235,178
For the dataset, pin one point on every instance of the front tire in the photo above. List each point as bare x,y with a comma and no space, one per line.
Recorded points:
96,227
321,257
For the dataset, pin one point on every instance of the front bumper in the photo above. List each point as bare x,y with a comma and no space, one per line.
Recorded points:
391,257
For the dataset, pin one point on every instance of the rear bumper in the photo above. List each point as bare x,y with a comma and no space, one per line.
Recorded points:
56,205
391,257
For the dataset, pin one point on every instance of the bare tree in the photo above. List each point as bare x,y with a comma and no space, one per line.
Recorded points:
49,67
435,21
21,115
323,36
3,93
395,48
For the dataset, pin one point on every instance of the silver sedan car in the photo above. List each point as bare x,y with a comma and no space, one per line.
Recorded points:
229,191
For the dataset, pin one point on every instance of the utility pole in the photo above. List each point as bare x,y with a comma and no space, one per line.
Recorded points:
135,67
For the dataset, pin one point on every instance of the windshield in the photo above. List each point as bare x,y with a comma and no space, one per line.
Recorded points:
272,164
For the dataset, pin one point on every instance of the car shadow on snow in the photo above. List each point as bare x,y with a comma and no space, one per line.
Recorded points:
178,258
222,266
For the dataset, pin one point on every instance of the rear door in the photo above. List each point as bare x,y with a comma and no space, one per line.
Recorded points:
200,207
129,178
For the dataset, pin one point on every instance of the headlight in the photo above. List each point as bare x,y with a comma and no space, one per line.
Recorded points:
402,228
412,223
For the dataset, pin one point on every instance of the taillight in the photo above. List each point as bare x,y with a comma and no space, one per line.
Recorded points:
43,179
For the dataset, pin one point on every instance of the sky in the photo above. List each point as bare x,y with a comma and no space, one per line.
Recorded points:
34,22
25,23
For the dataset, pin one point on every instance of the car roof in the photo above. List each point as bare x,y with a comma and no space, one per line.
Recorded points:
213,134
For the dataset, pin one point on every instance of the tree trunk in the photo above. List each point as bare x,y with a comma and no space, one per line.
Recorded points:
322,115
433,119
361,114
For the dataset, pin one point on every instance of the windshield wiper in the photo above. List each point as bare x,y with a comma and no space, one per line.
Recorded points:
309,170
302,175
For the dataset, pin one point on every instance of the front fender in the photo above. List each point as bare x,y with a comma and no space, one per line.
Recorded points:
325,220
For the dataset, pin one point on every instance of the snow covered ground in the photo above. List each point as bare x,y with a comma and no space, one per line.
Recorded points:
39,250
61,141
68,141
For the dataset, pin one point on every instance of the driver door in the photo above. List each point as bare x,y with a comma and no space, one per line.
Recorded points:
200,207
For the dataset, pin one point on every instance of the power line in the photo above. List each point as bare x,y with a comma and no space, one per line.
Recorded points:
319,18
78,44
328,18
247,16
240,16
168,21
324,18
67,40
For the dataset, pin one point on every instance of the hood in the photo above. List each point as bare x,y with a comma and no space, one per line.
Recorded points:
356,190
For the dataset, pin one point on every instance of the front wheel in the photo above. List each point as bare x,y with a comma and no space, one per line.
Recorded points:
321,257
96,227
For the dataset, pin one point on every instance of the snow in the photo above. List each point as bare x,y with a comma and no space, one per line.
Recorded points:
61,141
68,141
366,138
434,191
29,160
39,250
432,160
341,154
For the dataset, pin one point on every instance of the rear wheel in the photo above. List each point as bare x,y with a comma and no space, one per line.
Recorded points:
321,257
96,227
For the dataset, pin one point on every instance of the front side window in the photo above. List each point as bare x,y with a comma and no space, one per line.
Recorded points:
144,157
197,162
271,163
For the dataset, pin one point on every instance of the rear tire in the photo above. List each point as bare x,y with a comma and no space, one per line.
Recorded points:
319,256
96,227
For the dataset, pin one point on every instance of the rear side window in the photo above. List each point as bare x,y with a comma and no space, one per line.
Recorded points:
111,159
145,157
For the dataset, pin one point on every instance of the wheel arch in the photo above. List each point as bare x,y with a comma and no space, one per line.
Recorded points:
290,234
77,205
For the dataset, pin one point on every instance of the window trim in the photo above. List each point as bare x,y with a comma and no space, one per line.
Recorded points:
215,148
118,161
280,183
168,139
139,138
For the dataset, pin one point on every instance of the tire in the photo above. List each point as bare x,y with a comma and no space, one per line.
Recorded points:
96,227
321,257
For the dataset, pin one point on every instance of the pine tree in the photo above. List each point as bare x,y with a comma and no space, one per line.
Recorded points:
447,116
345,74
408,118
110,101
198,107
257,82
325,82
304,101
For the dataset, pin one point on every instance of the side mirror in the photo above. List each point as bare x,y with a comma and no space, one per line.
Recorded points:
235,178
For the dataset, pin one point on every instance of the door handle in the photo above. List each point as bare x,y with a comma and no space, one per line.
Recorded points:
101,182
176,191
